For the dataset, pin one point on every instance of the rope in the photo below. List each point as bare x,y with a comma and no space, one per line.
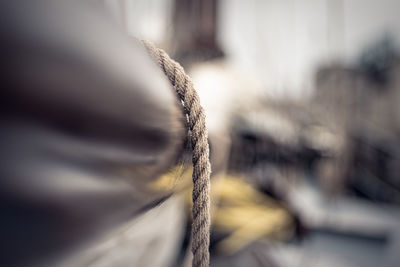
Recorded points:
200,158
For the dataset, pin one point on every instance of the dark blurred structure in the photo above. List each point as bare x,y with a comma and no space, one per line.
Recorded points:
195,31
363,105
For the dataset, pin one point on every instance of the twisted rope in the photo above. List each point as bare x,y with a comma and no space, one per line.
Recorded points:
200,158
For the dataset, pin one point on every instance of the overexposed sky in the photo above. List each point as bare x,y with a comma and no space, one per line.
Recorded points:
284,41
281,42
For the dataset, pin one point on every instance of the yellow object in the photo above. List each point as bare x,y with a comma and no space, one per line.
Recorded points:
237,208
249,214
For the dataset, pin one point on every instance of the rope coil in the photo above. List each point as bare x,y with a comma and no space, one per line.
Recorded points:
183,85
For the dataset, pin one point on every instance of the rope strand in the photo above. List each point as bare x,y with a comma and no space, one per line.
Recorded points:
201,164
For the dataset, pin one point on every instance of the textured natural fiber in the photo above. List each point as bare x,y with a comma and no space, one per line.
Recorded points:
199,141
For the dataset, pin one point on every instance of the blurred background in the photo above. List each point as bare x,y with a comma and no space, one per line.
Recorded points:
303,111
302,99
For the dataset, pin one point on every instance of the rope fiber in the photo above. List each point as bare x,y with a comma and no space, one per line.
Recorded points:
198,135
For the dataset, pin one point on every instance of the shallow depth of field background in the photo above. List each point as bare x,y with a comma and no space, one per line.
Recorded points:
303,100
